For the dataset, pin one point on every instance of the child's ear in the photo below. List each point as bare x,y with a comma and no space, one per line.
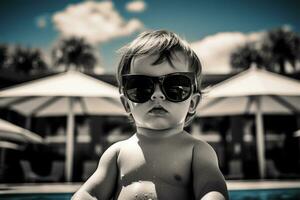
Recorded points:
194,103
125,103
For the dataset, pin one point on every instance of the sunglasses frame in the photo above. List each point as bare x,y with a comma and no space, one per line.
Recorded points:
160,80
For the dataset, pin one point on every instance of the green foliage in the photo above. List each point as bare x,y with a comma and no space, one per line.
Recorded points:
3,55
279,47
245,56
282,46
27,60
74,52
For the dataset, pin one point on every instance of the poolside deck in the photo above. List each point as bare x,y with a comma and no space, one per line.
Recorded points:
72,187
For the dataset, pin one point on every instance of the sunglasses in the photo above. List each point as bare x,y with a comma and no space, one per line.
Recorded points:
176,87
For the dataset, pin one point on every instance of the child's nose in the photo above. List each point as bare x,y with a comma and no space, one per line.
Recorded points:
157,94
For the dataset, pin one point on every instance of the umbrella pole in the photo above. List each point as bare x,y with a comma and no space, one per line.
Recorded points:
70,142
28,122
2,162
260,139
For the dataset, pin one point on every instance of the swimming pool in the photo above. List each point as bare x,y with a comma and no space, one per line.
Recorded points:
237,191
61,196
277,194
266,194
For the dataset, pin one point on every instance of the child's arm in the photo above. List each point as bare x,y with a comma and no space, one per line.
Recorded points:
102,183
208,181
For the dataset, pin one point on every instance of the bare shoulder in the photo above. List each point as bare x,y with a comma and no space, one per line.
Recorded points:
103,182
123,143
111,152
208,180
116,147
201,149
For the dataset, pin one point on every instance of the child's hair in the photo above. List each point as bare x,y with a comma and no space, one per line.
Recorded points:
163,43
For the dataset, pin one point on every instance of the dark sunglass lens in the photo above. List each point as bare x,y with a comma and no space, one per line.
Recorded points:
138,89
177,87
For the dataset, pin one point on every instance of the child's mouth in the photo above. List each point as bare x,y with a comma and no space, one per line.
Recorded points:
158,111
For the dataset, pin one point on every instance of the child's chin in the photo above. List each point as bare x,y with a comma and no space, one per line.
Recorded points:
161,125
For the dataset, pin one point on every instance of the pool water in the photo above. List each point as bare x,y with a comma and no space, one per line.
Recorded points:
266,194
62,196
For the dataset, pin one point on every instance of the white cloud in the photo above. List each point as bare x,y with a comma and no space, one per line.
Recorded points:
136,6
99,70
41,21
95,21
214,51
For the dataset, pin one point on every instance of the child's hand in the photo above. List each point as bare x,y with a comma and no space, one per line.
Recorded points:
213,196
83,196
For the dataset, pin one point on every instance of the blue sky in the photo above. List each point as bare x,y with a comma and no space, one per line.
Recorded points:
193,20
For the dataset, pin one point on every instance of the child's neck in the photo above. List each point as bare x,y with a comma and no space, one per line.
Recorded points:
162,133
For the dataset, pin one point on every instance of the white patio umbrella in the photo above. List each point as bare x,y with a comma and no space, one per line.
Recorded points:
283,105
13,137
254,91
12,132
68,93
40,107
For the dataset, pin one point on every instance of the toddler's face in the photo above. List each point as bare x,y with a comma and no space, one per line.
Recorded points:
159,113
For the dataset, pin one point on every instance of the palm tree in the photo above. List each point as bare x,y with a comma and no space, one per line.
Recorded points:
244,56
281,46
296,49
27,60
3,55
75,52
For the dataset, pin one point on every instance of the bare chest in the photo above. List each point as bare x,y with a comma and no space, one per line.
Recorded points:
167,164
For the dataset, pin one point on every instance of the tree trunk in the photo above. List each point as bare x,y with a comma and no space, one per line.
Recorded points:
282,67
67,67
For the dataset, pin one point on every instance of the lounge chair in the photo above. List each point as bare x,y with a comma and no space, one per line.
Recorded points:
55,175
235,170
